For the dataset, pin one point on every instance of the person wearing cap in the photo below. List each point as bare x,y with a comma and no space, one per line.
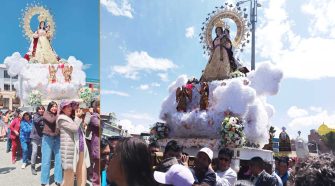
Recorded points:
74,152
177,175
51,145
203,173
259,176
225,176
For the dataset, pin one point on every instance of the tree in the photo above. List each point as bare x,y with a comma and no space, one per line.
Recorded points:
329,140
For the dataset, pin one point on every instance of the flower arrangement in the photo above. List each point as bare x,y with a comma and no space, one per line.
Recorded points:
35,98
159,131
232,132
236,74
86,95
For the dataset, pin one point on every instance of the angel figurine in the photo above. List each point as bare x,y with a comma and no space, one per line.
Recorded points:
204,92
52,74
67,71
181,98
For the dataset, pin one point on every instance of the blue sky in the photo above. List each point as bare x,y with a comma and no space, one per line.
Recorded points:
295,35
77,30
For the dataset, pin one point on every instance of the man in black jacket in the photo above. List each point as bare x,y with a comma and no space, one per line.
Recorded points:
259,176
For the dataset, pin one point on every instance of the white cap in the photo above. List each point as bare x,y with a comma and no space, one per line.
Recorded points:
208,151
177,175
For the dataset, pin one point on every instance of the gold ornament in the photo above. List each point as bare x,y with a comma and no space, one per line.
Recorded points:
218,19
44,15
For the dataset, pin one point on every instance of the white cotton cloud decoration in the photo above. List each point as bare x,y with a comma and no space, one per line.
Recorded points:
265,80
16,63
36,77
244,97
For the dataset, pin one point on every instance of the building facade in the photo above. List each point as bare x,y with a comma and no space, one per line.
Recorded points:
8,97
110,127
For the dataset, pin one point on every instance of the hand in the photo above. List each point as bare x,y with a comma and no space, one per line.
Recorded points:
16,133
184,159
79,113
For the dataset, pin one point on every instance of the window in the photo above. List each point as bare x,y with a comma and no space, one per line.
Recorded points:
13,89
7,87
6,75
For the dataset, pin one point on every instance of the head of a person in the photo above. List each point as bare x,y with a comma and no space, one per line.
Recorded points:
154,147
225,155
268,167
66,108
218,31
256,165
113,141
52,107
104,153
316,171
173,149
177,175
131,163
203,159
226,32
42,25
96,106
283,167
26,116
40,110
291,162
276,163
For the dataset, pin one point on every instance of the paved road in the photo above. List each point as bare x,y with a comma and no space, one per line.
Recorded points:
13,175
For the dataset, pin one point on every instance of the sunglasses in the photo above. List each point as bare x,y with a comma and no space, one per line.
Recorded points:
225,159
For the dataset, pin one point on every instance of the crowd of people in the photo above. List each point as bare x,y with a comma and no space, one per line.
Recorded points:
69,136
131,162
64,134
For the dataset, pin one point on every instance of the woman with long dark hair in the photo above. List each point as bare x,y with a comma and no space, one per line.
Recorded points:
131,164
36,135
51,144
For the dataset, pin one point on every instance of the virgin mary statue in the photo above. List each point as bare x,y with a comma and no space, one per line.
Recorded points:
40,49
221,62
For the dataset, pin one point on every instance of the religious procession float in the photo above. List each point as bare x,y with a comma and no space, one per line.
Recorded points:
44,76
227,106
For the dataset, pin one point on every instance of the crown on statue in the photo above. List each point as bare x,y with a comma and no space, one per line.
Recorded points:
42,17
221,23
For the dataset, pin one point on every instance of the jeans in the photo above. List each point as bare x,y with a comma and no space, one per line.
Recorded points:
35,143
26,151
51,144
9,141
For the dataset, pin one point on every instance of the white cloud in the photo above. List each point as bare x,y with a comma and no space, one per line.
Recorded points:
138,116
323,16
133,129
148,86
122,9
144,87
141,61
86,66
313,121
118,93
163,76
189,32
294,112
300,56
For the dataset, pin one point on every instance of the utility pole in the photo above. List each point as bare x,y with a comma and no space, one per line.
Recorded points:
253,20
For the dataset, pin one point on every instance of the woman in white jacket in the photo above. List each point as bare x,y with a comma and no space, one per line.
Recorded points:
75,156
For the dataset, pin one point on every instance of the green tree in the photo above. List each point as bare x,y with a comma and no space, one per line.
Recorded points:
329,140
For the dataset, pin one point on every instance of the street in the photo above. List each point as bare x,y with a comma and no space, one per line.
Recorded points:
12,174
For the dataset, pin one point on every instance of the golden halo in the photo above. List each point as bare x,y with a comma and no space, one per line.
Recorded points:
218,18
227,14
43,14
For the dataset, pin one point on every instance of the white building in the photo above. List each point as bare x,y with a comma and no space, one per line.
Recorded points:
8,98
